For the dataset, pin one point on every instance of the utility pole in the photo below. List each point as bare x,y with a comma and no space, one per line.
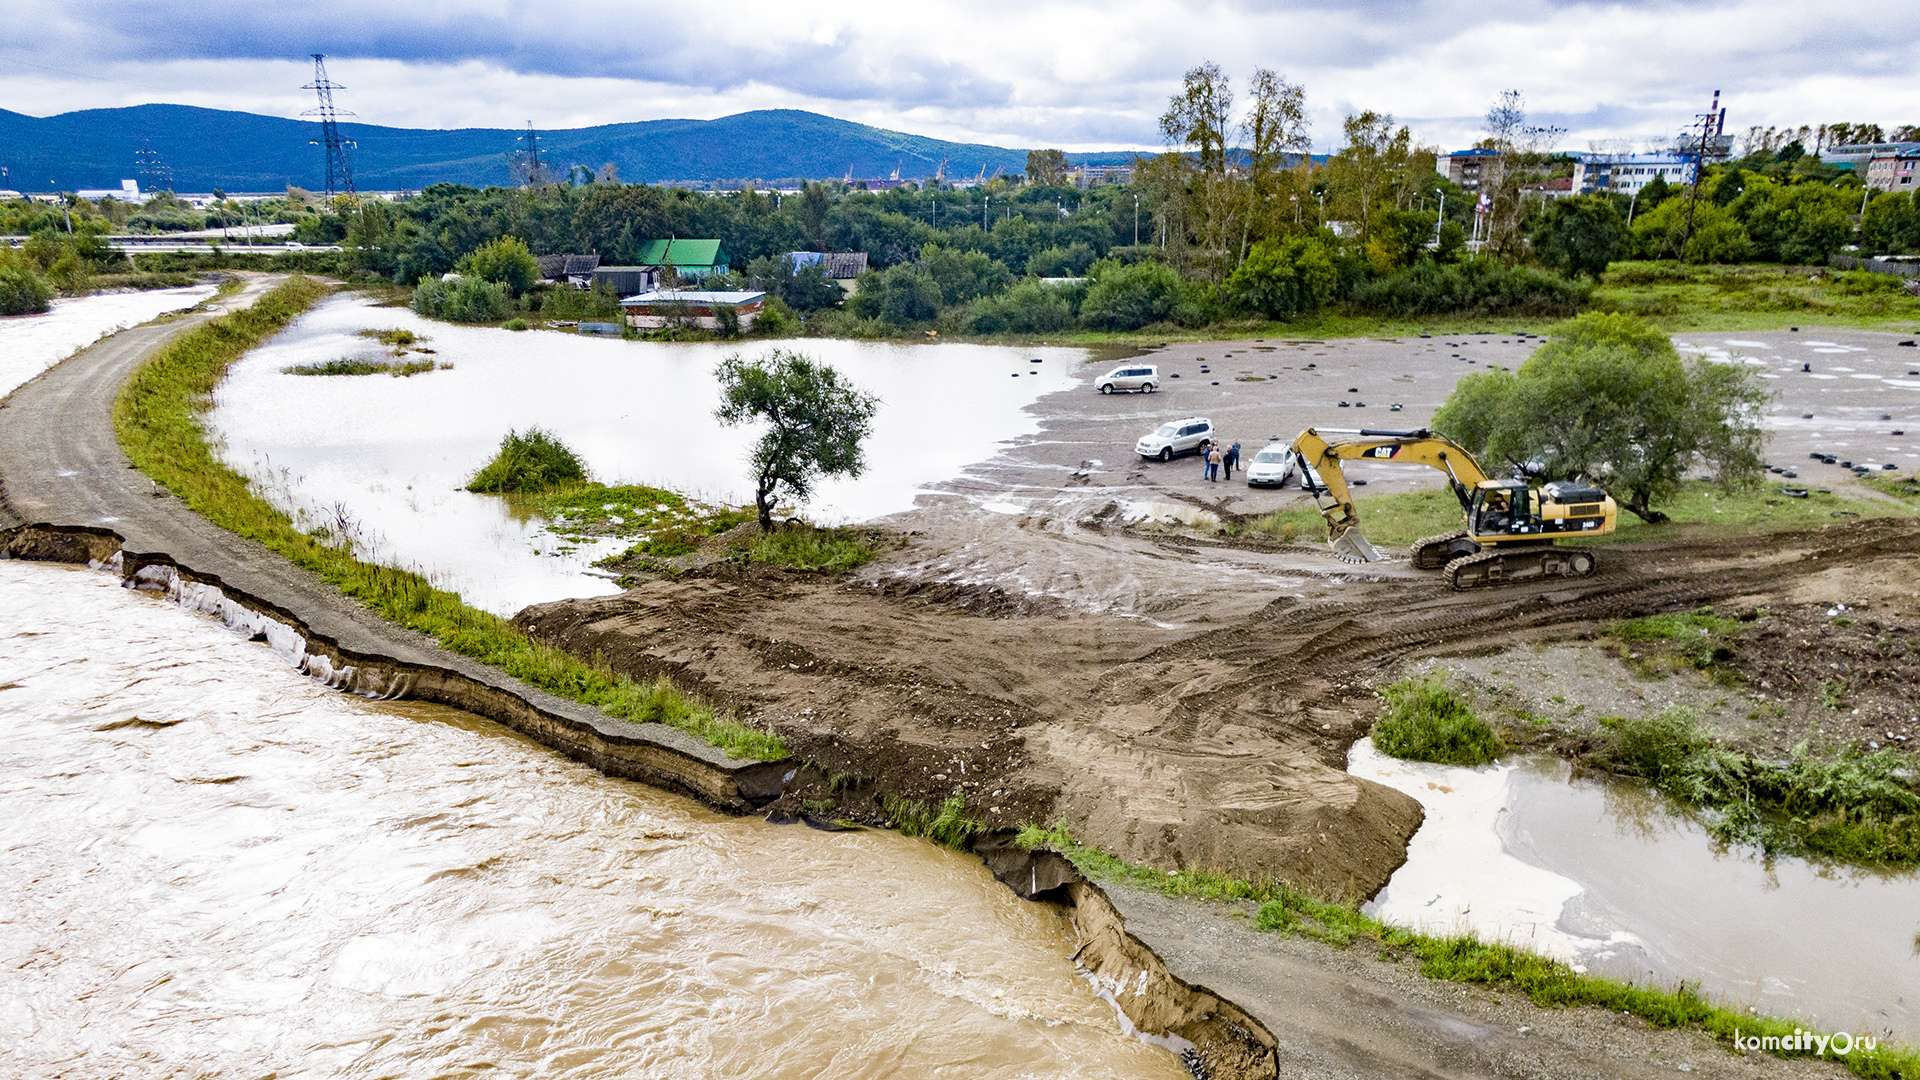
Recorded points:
536,173
1136,219
339,167
1442,219
1710,123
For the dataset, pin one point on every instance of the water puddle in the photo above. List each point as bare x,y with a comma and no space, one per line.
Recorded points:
30,344
1599,874
385,457
216,866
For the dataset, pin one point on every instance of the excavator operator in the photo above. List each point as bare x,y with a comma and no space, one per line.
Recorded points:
1496,515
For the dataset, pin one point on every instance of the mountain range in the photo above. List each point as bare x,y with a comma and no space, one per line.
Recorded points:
209,149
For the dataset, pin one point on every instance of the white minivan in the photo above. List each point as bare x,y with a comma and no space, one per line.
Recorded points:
1142,377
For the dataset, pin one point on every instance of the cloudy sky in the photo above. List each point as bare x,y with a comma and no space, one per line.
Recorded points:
1068,73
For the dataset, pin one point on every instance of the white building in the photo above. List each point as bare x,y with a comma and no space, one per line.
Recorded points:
128,191
674,307
1628,173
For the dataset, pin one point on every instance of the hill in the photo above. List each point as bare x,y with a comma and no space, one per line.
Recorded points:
237,151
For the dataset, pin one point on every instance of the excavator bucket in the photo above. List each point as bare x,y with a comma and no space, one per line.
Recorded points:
1349,545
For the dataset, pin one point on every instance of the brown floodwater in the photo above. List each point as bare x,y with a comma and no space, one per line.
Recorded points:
213,866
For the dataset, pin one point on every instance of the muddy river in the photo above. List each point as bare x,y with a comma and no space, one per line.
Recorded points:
29,344
214,866
1602,875
391,454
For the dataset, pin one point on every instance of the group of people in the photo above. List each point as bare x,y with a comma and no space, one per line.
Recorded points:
1219,457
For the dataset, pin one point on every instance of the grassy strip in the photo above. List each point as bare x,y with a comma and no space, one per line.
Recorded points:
157,416
1700,509
1856,808
803,547
947,824
1464,959
399,369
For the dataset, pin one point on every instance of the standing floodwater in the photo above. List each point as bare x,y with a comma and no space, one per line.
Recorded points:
213,866
29,344
1600,873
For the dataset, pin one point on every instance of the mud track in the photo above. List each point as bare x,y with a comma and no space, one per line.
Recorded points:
1218,744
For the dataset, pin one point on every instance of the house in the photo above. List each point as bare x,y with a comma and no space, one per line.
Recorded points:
1894,171
839,265
128,191
575,270
1470,169
1628,173
690,259
675,307
624,280
1555,188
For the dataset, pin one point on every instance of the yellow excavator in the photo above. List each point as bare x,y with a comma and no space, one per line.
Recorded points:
1511,525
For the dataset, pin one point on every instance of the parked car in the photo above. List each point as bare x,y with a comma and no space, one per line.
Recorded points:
1276,463
1142,377
1178,437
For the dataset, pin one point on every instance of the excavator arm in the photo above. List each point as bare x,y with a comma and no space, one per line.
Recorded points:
1326,449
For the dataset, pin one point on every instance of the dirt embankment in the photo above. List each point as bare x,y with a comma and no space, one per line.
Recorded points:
1217,742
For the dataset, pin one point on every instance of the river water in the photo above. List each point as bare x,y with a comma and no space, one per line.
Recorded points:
391,454
34,343
214,866
1600,874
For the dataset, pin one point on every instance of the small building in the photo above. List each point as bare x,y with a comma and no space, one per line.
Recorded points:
1555,188
1894,171
128,191
624,280
690,259
1086,176
839,265
1628,173
1470,170
676,307
574,270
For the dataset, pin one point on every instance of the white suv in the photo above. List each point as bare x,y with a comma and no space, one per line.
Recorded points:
1142,377
1178,437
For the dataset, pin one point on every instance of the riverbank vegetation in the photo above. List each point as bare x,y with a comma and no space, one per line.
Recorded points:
1275,907
158,418
399,369
529,463
1428,721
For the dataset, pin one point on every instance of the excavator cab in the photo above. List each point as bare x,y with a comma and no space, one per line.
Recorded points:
1503,508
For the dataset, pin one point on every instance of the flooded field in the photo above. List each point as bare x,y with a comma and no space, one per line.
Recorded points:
1600,874
29,344
391,454
217,867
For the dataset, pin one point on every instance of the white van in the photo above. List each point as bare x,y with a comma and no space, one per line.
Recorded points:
1142,377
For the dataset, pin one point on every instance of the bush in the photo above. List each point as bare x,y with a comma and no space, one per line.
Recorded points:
1475,287
1031,307
505,261
901,295
1427,721
806,548
22,292
1069,261
535,461
1283,278
516,324
467,299
1129,297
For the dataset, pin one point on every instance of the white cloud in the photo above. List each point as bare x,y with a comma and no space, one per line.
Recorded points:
1066,73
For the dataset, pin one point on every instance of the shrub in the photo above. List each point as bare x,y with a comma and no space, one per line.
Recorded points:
516,324
1427,721
466,299
345,366
1030,307
1475,287
1129,297
505,261
535,461
806,548
1282,278
22,292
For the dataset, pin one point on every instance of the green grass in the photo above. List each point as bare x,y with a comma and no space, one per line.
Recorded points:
1905,488
399,369
1853,808
1428,721
1700,508
1460,958
158,418
1698,639
394,338
532,462
947,824
1755,297
803,547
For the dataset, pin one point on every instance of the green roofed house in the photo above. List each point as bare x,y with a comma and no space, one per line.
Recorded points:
691,259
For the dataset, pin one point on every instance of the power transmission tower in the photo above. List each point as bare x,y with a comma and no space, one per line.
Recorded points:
1708,125
154,172
339,166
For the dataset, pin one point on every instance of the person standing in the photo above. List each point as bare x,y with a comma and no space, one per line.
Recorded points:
1213,462
1231,459
1206,461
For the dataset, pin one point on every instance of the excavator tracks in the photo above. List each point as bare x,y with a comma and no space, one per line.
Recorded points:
1496,566
1434,552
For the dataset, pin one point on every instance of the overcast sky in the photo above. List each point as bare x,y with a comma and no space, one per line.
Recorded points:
1067,73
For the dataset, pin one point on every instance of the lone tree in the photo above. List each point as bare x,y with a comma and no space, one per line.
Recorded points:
1580,234
1609,399
815,420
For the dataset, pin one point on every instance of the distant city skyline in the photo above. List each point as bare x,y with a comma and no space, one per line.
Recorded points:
1073,75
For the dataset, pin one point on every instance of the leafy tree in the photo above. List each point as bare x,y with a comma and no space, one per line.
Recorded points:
1031,307
505,261
1717,236
1070,261
1610,399
1580,235
815,421
902,295
964,275
1046,168
1129,297
1795,223
1201,116
1891,224
1283,278
22,290
1655,193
